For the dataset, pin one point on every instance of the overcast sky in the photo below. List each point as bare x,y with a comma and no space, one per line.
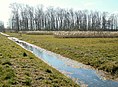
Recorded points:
99,5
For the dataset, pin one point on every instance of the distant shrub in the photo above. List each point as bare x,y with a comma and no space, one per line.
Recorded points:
39,32
85,34
24,32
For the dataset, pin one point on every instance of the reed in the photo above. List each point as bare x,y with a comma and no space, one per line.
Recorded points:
85,34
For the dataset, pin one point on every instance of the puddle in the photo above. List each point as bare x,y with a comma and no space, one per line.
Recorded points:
77,71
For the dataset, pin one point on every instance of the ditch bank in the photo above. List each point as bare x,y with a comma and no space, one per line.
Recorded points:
82,74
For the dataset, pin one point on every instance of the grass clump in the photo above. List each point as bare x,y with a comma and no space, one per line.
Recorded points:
48,71
24,54
0,54
7,62
27,81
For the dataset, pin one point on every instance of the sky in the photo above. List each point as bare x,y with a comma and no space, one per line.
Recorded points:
99,5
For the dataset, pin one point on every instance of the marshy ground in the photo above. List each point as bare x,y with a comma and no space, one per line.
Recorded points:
20,68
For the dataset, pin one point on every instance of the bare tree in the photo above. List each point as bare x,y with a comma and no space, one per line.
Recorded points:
15,14
25,17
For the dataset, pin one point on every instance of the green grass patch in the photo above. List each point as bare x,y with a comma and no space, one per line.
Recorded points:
101,53
20,68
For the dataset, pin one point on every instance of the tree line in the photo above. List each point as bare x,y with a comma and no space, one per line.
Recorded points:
25,18
1,26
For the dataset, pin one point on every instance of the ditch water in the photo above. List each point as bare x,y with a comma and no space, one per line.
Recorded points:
76,71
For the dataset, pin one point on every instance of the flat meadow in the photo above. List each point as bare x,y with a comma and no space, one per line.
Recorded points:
20,68
101,53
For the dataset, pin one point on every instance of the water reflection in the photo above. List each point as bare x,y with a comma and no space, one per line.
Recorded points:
86,76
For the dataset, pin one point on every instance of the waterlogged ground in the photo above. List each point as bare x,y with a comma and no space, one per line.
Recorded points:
20,68
101,53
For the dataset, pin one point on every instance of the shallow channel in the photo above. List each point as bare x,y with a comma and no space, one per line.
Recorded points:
68,67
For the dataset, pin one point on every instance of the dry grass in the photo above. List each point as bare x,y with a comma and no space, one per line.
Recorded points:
37,32
85,34
74,34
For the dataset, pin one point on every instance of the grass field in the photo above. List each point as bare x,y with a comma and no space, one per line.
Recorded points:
20,68
101,53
